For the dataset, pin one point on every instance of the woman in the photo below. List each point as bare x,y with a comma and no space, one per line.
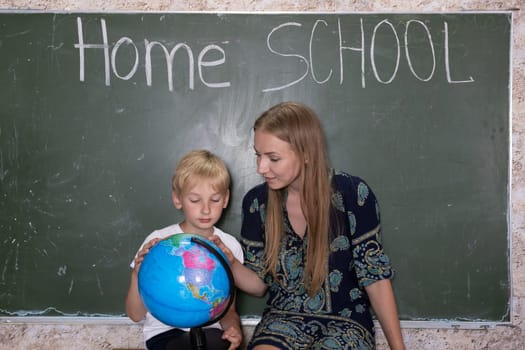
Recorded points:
312,240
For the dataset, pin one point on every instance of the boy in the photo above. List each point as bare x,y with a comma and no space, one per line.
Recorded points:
200,188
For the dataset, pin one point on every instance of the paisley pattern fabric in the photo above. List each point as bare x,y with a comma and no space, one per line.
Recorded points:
338,315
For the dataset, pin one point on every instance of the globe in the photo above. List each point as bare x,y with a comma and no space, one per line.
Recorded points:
186,281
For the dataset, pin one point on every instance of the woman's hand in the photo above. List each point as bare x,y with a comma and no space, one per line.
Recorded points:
227,252
245,279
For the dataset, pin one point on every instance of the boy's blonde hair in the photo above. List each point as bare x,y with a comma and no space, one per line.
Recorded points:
199,165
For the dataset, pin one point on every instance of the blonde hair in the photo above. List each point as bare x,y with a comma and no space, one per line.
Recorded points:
298,125
199,165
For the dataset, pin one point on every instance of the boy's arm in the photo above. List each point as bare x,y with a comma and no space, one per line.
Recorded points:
231,324
135,308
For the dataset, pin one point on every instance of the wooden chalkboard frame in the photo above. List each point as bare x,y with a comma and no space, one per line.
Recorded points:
118,78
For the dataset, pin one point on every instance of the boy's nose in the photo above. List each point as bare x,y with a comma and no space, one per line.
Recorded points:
205,207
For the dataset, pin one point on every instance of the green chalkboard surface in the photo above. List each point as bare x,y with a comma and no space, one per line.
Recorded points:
96,109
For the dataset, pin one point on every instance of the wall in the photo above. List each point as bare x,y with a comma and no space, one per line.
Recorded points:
118,333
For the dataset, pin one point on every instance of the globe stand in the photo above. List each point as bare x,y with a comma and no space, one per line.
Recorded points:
197,338
197,335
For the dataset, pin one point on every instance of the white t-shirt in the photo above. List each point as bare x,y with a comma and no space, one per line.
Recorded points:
152,326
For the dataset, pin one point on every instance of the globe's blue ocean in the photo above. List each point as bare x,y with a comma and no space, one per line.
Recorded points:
185,282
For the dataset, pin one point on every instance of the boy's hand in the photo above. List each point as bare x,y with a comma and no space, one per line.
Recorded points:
234,336
145,250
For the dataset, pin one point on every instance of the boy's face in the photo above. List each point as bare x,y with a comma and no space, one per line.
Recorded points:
202,206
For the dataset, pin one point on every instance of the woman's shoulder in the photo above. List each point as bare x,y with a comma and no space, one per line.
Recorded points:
259,191
343,180
352,189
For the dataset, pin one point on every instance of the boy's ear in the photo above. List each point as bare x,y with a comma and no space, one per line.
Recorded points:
226,199
176,200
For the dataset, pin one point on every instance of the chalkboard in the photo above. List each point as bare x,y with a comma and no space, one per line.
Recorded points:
96,109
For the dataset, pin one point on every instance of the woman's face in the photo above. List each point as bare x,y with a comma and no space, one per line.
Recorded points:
276,161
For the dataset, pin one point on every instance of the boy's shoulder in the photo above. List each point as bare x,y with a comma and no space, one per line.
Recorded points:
231,242
164,232
224,236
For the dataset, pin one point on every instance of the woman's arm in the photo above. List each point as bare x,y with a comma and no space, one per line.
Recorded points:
383,302
245,279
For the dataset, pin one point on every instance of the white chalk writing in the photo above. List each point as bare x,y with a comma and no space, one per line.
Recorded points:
214,56
202,61
307,64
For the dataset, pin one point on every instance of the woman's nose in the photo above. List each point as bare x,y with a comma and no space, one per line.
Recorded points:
262,166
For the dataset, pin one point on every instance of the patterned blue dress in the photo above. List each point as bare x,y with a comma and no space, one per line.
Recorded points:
338,316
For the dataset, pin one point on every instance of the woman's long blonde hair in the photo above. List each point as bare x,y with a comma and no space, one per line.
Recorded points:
298,125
